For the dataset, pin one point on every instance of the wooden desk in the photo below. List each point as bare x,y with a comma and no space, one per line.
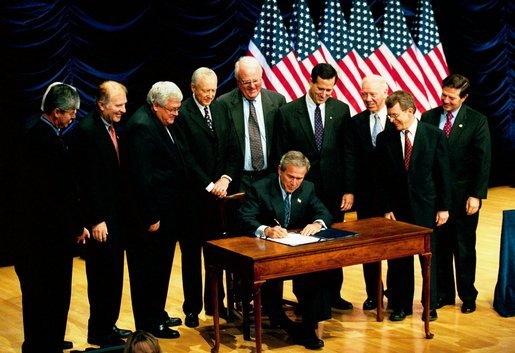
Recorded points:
260,260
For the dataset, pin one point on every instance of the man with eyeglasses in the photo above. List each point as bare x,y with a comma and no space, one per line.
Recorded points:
414,170
253,110
159,177
49,223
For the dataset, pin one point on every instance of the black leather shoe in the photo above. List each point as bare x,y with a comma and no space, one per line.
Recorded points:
110,340
443,302
163,331
399,315
310,340
120,332
370,304
433,315
173,321
342,304
67,345
191,320
468,307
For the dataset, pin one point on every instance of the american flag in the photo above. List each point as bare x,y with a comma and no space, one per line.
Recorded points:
336,46
355,49
402,55
430,52
367,44
305,41
271,46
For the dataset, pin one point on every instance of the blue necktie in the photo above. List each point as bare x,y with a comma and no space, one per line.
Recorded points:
319,128
287,209
376,129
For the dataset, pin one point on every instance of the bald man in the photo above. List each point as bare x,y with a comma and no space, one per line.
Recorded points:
96,153
368,124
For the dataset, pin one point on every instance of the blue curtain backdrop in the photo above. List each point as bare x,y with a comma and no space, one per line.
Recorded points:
138,43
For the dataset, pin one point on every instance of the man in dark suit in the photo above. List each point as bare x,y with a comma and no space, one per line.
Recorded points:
320,127
212,141
414,169
253,110
49,223
287,199
159,176
97,158
469,153
368,124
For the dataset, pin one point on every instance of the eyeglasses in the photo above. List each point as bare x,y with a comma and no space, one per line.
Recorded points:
171,110
393,116
250,82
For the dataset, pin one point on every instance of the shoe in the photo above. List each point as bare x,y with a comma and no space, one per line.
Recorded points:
468,307
111,340
120,332
433,315
163,331
309,339
342,304
443,302
399,315
370,304
173,321
67,345
222,312
191,320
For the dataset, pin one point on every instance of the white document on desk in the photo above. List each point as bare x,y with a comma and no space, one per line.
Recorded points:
294,239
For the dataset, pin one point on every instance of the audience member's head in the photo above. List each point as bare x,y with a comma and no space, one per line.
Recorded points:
142,342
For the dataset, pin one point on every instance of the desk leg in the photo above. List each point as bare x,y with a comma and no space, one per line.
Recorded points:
216,315
426,286
257,313
379,316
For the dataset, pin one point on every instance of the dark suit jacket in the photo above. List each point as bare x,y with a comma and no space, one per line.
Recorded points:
98,172
157,169
271,102
333,168
415,196
264,203
469,154
215,153
48,204
367,200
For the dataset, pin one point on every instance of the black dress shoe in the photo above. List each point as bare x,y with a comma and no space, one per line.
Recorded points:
399,315
120,332
342,304
468,307
163,331
67,345
309,339
370,304
191,320
433,315
173,321
443,302
111,340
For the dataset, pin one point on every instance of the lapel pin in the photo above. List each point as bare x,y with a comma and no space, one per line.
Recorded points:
330,118
460,125
299,200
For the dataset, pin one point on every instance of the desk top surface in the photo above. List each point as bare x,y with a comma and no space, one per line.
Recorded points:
372,230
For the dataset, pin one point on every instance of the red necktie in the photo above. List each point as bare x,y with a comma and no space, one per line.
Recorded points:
112,133
408,147
448,124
